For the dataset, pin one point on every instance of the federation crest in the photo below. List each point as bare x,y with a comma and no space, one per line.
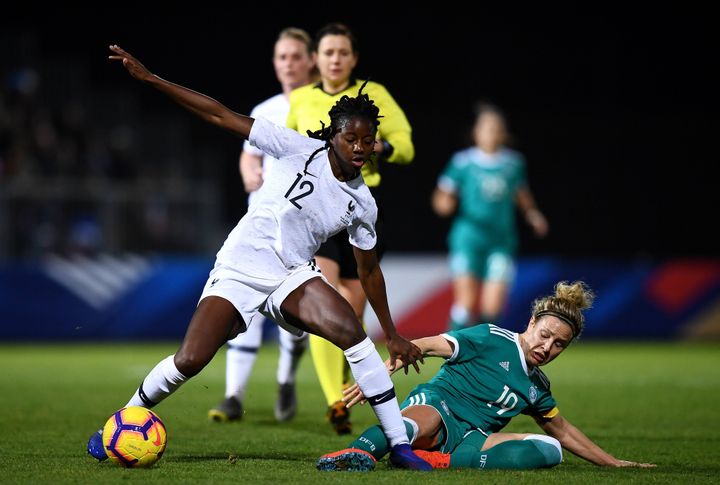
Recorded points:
532,393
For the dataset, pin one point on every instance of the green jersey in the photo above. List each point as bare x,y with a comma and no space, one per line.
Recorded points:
486,382
485,185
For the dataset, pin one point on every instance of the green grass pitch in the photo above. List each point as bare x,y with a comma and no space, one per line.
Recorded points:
655,402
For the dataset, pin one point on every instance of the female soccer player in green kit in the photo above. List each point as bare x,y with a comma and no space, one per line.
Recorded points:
482,185
490,376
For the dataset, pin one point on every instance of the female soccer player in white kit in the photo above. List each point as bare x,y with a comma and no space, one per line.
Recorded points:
265,265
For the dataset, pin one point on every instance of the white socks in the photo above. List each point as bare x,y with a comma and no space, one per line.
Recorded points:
459,315
241,355
371,375
162,381
291,349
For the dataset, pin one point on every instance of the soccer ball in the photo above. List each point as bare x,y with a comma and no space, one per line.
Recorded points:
134,437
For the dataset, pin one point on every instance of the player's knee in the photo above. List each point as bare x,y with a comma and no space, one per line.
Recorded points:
190,364
550,448
349,333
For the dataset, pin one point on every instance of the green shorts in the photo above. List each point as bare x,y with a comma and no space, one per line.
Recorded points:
472,254
454,430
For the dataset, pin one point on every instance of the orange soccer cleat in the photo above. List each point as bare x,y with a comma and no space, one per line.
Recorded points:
435,458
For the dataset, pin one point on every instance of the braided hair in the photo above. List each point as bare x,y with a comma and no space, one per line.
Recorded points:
346,108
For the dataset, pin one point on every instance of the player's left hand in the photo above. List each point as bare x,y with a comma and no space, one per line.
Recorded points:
405,351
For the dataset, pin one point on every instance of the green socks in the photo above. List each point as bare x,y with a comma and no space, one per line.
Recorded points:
535,451
374,441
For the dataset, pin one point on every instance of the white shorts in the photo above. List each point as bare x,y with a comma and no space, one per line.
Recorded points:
252,296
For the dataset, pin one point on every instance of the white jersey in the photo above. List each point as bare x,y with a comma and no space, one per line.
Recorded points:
275,110
295,213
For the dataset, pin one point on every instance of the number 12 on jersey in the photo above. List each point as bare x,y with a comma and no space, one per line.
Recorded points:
306,188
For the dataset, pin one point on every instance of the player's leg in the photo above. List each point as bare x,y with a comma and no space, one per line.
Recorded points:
423,424
240,359
351,289
499,273
316,307
215,321
511,451
466,268
292,348
465,297
328,359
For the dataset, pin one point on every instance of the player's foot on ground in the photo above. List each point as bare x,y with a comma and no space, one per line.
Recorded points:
230,409
339,416
286,404
435,458
347,460
95,446
402,456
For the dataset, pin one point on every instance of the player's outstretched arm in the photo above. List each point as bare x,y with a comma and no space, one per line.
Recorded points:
373,283
205,107
575,441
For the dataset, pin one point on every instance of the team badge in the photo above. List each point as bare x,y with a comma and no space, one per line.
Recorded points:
533,394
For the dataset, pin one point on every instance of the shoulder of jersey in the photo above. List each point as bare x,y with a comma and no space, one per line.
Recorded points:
371,87
501,332
464,156
302,91
512,155
268,102
543,378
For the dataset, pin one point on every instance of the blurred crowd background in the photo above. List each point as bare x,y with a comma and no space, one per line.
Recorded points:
615,114
614,110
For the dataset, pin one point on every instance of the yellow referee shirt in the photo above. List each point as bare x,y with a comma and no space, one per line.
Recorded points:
310,104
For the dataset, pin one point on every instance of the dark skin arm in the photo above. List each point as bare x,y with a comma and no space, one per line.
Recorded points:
203,106
373,283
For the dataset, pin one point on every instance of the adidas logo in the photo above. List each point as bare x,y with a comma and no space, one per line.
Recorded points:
505,365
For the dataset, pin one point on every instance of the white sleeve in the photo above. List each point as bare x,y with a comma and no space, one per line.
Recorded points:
275,140
362,233
455,344
248,148
446,184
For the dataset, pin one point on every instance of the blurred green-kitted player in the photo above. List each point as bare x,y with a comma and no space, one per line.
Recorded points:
483,184
490,376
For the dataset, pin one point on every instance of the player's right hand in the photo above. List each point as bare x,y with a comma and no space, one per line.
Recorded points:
353,395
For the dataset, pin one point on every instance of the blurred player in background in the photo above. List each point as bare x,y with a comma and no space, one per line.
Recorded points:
336,54
481,185
490,376
294,67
